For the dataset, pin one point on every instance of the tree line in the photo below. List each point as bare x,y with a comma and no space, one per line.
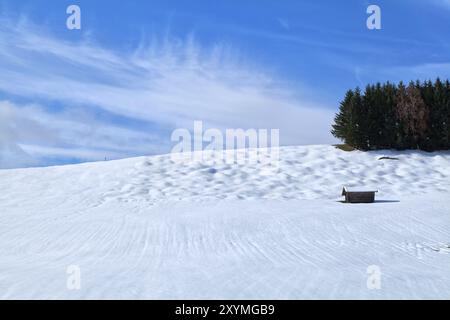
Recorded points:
390,116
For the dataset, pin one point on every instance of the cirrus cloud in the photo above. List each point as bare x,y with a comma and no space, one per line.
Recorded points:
163,85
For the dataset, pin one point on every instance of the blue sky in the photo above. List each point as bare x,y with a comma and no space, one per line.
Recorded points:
139,69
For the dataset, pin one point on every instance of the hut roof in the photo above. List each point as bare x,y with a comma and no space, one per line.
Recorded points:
357,189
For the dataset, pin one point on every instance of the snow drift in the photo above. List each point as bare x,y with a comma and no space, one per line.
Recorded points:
149,228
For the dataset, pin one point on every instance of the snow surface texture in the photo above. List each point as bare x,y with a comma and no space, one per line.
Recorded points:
148,228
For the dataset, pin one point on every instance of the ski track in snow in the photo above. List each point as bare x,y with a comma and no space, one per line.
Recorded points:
149,228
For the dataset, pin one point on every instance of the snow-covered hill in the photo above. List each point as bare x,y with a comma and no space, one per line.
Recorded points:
150,228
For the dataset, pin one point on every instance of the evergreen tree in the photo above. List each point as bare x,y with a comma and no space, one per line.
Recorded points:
389,123
341,126
379,107
371,118
446,116
438,116
359,133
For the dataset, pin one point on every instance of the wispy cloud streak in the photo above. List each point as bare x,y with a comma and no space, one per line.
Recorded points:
165,84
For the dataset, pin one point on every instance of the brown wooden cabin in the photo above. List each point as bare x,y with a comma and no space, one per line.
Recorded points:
358,195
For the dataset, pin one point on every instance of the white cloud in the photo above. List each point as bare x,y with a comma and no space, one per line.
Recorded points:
168,84
14,127
29,133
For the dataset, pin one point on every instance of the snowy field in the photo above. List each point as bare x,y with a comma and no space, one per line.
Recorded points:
148,228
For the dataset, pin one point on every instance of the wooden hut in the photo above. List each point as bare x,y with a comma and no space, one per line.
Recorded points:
358,195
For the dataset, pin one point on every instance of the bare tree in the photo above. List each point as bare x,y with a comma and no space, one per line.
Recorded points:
412,112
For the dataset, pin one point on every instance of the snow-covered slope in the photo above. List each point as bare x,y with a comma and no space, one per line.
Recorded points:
150,228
